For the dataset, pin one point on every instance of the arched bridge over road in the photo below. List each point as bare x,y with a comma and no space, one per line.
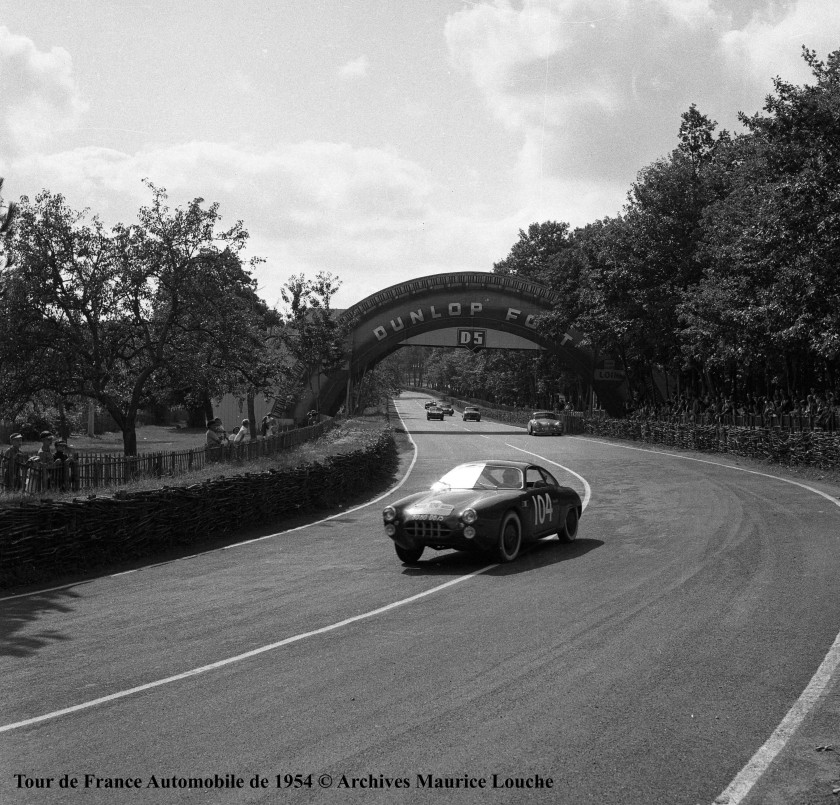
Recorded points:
464,308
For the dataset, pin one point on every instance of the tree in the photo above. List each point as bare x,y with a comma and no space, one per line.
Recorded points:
532,256
768,301
7,215
106,315
310,330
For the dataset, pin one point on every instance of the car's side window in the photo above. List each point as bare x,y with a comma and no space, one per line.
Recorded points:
549,478
533,477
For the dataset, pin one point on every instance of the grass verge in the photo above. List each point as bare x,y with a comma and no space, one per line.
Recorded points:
349,436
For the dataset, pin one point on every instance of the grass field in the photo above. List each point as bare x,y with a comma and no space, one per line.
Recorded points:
150,439
351,435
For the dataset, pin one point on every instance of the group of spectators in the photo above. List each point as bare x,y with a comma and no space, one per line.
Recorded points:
812,410
217,436
51,467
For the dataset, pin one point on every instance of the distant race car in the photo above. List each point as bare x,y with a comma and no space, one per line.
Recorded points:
447,409
434,412
545,423
494,506
430,404
471,413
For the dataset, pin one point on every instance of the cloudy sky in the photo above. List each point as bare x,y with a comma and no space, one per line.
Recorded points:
378,139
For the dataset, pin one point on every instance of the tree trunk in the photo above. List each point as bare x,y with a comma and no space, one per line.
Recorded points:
126,422
130,439
208,406
252,416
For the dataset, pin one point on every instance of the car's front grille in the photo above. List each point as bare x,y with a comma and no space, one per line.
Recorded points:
427,529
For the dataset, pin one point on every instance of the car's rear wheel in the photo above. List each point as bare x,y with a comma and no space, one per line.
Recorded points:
409,556
570,526
510,538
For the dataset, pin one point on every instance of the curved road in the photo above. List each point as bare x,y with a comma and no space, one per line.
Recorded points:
647,662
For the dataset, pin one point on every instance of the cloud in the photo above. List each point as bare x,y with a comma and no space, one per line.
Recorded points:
358,68
770,43
595,88
40,98
309,206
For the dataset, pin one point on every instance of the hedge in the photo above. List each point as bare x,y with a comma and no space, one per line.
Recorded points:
818,449
41,540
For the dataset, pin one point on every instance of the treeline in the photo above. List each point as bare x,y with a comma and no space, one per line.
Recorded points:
723,269
162,312
516,378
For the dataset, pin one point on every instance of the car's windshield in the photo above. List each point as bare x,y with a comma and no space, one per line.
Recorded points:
544,415
480,476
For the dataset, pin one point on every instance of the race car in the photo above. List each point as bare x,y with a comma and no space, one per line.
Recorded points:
447,409
430,403
471,413
434,412
545,423
495,506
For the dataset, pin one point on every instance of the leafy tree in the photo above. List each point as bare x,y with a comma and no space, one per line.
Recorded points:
380,383
768,301
310,330
105,315
7,214
533,255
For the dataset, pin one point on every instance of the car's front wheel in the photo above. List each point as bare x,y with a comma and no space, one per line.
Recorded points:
570,526
409,556
510,538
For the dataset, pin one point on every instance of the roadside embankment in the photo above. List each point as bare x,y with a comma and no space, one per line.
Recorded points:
44,539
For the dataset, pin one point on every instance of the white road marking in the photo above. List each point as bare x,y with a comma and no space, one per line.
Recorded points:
835,501
744,781
262,649
738,789
239,657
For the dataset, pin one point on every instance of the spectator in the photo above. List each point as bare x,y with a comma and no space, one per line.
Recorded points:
727,413
769,411
45,454
40,465
13,462
63,466
216,436
242,432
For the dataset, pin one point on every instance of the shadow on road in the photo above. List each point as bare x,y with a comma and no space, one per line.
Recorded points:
17,614
533,557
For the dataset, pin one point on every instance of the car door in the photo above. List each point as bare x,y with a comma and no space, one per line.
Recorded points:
543,501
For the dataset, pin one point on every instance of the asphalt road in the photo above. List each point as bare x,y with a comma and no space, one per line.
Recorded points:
645,663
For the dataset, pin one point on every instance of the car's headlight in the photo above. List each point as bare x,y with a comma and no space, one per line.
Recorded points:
390,529
469,516
389,514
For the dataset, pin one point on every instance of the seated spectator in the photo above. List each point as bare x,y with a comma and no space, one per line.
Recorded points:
216,436
242,432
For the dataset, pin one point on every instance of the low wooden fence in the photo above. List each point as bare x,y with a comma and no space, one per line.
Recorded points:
42,539
84,471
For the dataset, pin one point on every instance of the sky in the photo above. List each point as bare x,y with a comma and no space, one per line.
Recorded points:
379,140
